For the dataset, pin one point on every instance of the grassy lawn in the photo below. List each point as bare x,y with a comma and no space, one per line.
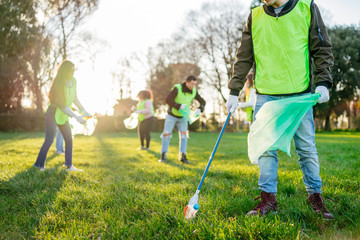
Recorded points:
124,193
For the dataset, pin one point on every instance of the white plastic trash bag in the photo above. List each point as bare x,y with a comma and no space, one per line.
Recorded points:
132,121
87,128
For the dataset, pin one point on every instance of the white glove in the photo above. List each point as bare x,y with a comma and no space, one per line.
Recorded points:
232,103
80,119
182,106
241,105
324,94
198,112
85,113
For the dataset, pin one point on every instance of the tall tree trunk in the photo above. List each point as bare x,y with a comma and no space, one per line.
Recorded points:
348,115
327,123
17,103
38,97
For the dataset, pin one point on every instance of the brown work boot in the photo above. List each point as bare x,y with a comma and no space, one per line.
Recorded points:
317,204
268,203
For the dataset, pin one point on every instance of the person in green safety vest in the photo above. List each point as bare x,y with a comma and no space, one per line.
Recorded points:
145,109
249,97
282,38
62,95
181,95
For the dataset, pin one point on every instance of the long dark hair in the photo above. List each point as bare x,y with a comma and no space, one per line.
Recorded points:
57,90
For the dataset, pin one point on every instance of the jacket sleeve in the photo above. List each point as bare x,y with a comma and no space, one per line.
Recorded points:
201,101
320,49
170,99
244,60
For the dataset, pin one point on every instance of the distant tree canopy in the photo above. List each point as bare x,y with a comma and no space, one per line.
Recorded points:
17,31
26,45
208,39
205,47
345,73
65,16
166,76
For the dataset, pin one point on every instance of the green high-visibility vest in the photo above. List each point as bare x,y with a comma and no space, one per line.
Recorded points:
281,49
70,92
141,106
182,98
248,110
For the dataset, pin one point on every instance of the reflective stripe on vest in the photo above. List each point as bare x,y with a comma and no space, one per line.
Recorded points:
60,117
141,106
281,49
182,98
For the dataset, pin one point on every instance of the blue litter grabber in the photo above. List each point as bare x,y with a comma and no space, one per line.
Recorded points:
193,206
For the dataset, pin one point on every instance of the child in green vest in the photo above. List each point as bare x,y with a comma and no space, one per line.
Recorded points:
145,109
62,95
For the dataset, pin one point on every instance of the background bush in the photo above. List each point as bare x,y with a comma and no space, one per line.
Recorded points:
25,120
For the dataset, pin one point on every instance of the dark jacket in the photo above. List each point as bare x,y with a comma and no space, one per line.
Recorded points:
319,47
170,99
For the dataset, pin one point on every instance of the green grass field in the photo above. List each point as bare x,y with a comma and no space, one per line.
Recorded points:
124,193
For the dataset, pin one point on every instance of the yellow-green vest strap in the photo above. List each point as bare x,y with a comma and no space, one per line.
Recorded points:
248,110
70,92
182,98
141,106
281,49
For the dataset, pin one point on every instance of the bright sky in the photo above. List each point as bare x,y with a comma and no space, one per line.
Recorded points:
133,26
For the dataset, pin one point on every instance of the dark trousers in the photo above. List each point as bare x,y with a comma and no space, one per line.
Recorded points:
144,130
50,131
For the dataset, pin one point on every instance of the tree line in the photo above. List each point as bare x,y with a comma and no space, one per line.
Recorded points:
36,35
206,46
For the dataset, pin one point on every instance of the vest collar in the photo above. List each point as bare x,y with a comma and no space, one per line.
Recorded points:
287,8
185,89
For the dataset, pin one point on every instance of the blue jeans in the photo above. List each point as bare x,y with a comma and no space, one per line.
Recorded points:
50,131
182,126
304,140
59,142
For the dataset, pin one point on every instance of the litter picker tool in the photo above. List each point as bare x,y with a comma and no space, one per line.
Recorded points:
193,206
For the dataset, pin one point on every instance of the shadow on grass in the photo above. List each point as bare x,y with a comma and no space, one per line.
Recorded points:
7,139
51,157
114,157
155,154
178,164
25,199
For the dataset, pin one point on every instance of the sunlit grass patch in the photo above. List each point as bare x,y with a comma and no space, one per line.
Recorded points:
126,193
